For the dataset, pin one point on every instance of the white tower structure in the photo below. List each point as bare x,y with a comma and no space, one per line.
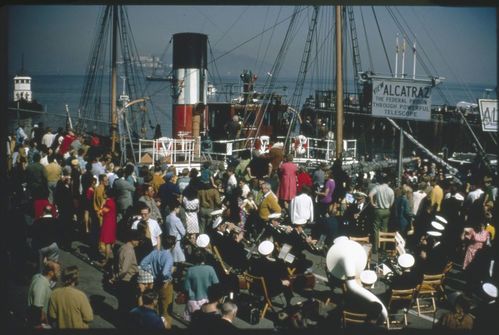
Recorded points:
22,88
22,85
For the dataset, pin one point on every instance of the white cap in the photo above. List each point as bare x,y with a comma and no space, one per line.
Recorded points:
274,215
406,260
340,238
368,277
217,222
459,197
490,289
203,240
440,219
434,233
437,225
265,248
360,194
217,212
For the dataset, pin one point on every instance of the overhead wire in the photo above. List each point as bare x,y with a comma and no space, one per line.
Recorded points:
382,40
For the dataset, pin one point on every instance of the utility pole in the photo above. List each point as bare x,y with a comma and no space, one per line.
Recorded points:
339,85
401,157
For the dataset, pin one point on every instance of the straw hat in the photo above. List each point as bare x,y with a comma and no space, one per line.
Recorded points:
440,219
437,225
406,261
203,240
217,222
434,233
265,248
490,290
274,216
217,212
368,277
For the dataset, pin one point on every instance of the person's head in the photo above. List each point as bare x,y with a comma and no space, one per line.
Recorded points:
193,173
47,210
150,297
250,196
148,190
134,236
305,189
168,241
174,206
70,276
103,179
129,169
265,186
198,256
229,310
289,158
462,305
215,293
52,270
144,211
88,166
185,172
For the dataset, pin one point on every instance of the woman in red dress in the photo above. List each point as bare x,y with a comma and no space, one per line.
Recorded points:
287,180
304,178
108,229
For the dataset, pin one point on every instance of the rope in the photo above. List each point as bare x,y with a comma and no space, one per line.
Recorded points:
382,41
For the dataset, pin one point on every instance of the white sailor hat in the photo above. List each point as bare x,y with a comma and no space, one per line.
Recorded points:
437,225
490,289
360,195
203,240
459,196
265,248
274,215
440,219
217,212
368,277
434,233
406,260
217,222
340,238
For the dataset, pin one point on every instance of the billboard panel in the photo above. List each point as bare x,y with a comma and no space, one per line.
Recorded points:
401,99
488,114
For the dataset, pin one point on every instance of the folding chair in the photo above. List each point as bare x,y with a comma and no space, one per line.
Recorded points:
387,237
399,300
350,318
428,289
257,287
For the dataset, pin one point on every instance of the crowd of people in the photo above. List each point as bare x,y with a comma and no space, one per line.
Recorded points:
163,235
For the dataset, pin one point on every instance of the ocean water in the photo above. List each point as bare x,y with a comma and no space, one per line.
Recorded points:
55,91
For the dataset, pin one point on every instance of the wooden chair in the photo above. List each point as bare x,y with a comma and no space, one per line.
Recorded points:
430,287
399,299
218,257
363,240
387,237
256,286
350,318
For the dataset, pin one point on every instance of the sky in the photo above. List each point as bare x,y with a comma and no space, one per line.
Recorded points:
457,43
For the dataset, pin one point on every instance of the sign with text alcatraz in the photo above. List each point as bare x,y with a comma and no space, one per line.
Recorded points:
401,99
488,114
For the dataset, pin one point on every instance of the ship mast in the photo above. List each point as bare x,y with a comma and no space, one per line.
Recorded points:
114,74
339,85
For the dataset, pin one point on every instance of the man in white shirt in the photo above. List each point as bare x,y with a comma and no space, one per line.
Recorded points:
417,196
302,207
475,193
152,224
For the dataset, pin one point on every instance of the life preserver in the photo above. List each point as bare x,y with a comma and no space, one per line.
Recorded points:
301,144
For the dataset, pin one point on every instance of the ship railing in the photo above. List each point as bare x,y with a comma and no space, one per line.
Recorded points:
317,150
169,150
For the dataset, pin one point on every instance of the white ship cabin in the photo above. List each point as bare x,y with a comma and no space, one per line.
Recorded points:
22,88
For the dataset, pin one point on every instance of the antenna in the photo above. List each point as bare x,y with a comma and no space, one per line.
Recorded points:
396,54
403,59
414,61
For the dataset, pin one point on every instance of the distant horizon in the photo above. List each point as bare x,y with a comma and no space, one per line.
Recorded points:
284,78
